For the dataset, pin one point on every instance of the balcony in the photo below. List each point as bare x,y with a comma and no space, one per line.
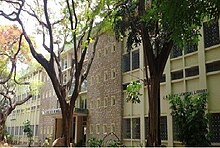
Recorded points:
56,112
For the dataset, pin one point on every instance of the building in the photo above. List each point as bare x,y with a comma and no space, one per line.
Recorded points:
193,69
102,108
28,111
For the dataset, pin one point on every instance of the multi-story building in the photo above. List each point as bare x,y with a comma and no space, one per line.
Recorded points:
28,111
194,69
102,107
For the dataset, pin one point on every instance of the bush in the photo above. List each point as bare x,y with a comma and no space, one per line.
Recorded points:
189,113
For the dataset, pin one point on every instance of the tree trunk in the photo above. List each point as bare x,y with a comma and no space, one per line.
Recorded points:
67,115
154,112
2,127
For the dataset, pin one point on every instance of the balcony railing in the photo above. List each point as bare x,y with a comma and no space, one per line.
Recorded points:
58,110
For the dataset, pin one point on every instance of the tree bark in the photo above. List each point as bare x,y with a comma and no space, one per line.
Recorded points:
67,120
154,112
2,128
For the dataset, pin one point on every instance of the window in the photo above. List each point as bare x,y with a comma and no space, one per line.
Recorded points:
146,120
126,62
211,33
98,78
176,130
98,129
106,51
127,128
113,128
113,101
163,78
100,53
91,129
105,101
193,71
105,129
190,48
113,73
105,75
113,48
215,127
214,66
98,103
163,128
135,128
64,63
177,75
36,130
175,52
16,130
135,59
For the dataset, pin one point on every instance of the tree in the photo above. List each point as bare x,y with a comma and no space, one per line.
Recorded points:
75,26
158,25
12,51
189,113
28,131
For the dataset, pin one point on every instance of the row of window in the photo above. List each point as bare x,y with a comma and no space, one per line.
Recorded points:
214,127
106,51
176,51
189,72
19,130
104,128
103,102
131,128
211,38
108,75
193,71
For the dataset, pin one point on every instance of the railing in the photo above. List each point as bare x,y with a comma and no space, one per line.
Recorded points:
58,110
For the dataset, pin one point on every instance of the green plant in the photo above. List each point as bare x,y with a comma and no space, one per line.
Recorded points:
189,113
132,91
93,142
28,131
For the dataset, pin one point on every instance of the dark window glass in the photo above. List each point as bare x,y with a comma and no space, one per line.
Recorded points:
126,63
214,66
176,130
36,130
211,33
175,52
176,75
21,130
163,128
12,131
127,128
163,78
136,128
193,71
16,130
135,60
146,126
190,48
215,127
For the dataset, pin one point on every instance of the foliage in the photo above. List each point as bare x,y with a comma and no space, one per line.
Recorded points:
28,131
133,92
189,113
165,20
93,142
9,42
